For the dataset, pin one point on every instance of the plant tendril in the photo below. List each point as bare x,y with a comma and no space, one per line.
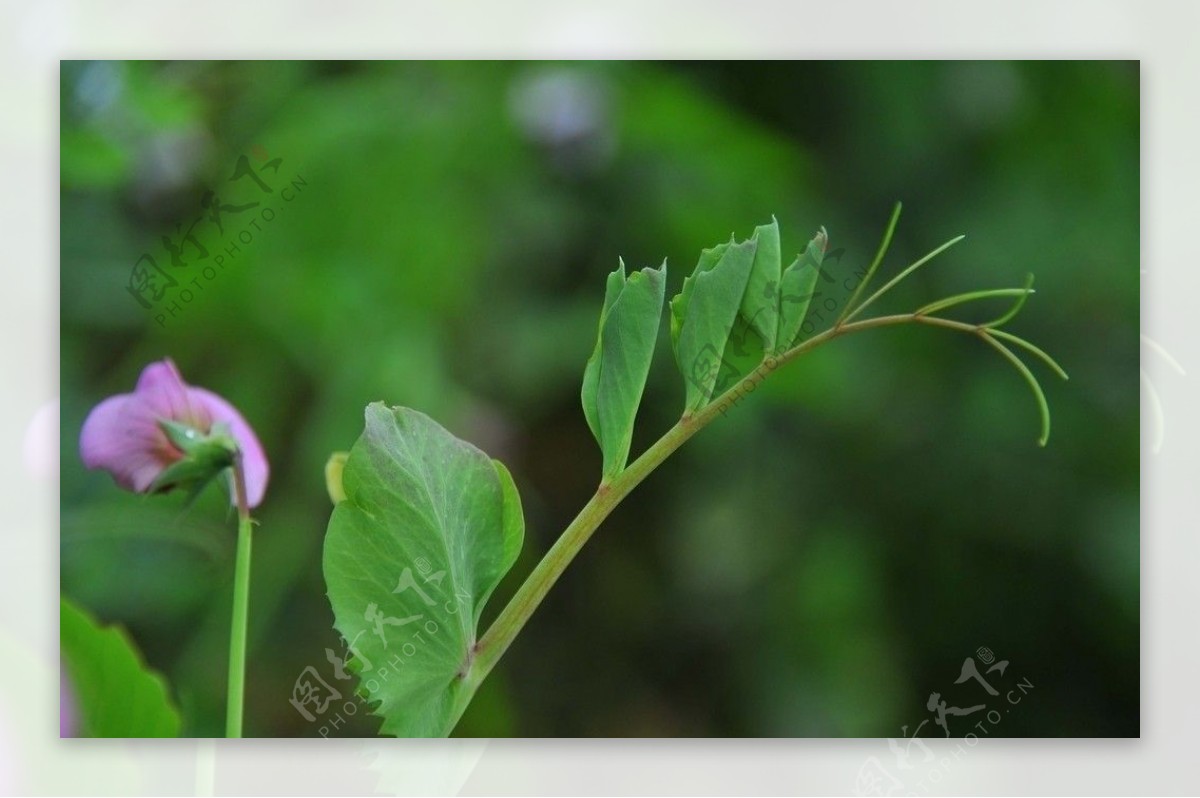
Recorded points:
959,299
1043,407
899,277
879,254
1016,308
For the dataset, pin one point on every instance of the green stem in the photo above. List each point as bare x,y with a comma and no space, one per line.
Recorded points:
513,617
516,614
241,602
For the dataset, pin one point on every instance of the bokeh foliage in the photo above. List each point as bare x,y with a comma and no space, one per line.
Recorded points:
816,563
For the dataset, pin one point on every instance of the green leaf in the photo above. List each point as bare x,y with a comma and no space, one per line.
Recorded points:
796,290
743,353
428,527
709,258
116,693
760,303
703,316
615,375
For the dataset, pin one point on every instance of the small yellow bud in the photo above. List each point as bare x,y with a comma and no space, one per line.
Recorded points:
333,476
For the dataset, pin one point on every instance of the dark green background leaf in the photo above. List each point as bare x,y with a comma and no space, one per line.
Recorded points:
117,695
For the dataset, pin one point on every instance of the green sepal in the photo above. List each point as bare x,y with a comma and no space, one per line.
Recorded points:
205,457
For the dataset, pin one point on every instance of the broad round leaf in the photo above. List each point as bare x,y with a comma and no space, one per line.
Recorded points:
428,527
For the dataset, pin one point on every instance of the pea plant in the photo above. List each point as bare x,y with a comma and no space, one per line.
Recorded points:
425,525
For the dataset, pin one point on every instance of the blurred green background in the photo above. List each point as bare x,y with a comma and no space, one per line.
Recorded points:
818,562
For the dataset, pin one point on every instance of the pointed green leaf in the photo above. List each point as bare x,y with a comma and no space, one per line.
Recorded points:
591,373
428,527
796,290
616,373
760,303
709,258
703,316
116,694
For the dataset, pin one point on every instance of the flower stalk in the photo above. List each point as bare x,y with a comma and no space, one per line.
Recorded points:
168,435
241,607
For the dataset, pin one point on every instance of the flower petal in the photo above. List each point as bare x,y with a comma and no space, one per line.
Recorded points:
254,459
162,387
121,436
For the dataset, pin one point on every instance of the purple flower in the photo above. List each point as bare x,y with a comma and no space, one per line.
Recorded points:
125,436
